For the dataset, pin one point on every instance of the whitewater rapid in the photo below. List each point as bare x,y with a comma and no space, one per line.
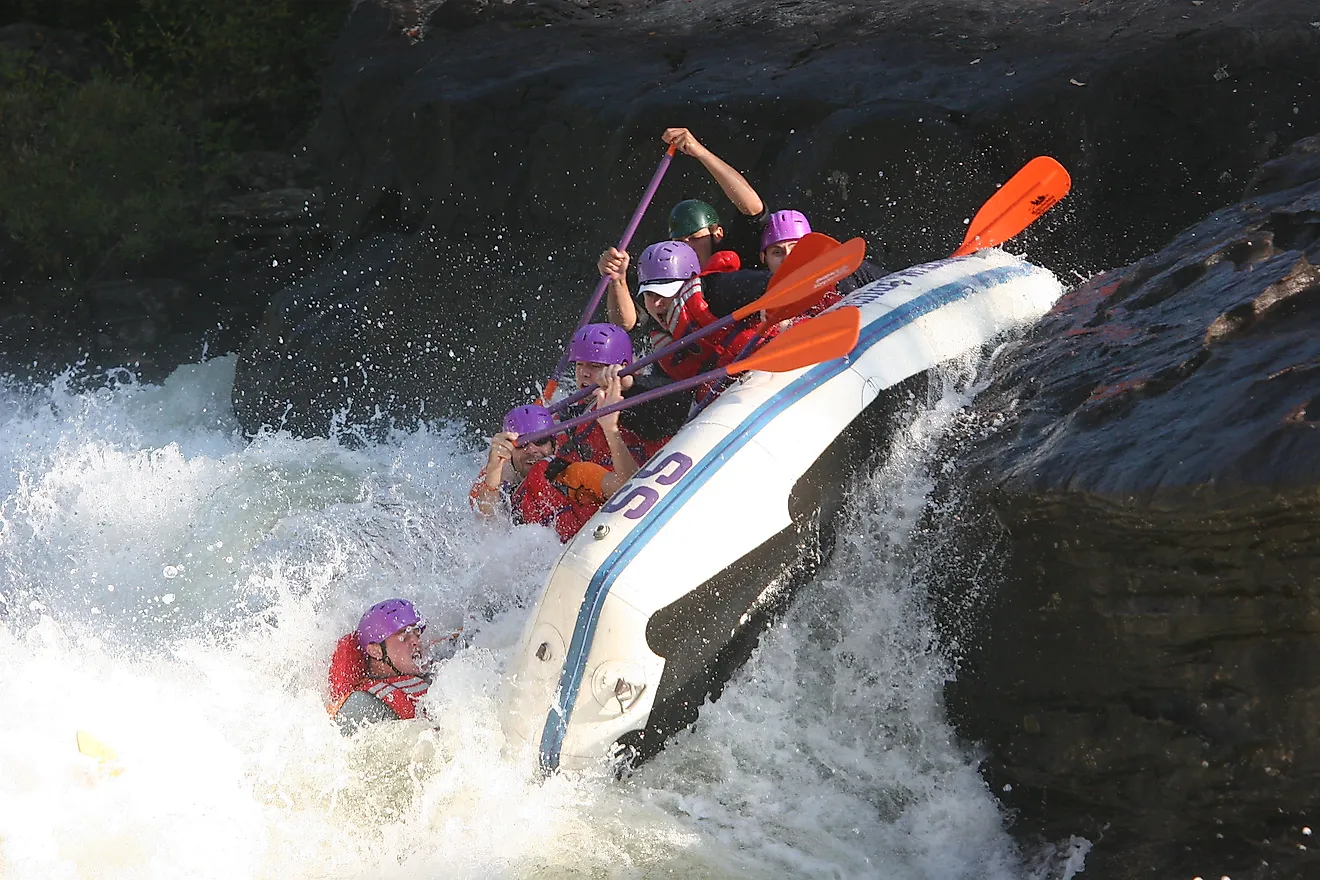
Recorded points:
177,590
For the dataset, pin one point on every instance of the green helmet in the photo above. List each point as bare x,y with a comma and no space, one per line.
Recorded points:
690,215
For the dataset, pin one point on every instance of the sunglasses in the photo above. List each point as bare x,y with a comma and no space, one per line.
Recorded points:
417,628
700,233
545,441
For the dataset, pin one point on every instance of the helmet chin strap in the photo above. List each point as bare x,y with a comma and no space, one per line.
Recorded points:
385,658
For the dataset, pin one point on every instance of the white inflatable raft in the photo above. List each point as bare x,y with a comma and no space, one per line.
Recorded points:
664,592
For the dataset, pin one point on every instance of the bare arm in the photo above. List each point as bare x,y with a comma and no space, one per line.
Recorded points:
735,186
618,300
624,463
485,494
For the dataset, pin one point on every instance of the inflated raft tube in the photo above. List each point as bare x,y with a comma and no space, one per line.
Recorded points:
663,593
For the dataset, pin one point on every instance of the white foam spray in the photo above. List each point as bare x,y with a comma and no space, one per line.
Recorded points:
177,591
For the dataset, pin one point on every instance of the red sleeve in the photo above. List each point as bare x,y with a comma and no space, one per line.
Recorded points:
347,668
722,261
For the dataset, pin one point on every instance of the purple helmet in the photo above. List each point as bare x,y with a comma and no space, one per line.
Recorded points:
665,265
601,344
384,619
529,418
784,226
668,261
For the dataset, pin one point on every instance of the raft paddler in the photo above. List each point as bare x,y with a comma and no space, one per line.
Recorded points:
507,463
595,459
782,232
697,224
680,298
380,671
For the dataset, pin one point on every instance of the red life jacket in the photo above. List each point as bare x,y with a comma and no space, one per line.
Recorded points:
831,297
544,503
348,673
587,443
347,668
399,692
687,312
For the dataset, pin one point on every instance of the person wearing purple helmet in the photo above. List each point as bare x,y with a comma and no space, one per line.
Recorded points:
596,458
599,352
663,268
507,463
781,233
380,671
680,298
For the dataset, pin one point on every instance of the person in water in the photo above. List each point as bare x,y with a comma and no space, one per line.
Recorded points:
598,457
507,463
380,671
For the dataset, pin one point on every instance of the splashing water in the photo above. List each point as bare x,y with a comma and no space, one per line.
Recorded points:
177,591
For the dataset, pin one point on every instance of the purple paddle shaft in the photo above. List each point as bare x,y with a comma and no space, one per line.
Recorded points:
623,246
644,397
715,390
559,405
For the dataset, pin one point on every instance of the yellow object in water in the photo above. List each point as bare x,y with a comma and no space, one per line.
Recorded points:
105,756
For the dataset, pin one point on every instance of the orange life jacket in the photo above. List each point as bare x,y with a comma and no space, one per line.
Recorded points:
542,502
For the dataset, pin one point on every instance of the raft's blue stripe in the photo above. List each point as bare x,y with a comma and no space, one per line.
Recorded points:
584,632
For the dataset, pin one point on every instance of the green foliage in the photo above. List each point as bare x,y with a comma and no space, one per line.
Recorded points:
233,53
225,51
120,167
90,169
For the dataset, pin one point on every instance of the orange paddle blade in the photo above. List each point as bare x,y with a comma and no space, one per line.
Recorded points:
1026,195
808,248
829,336
803,288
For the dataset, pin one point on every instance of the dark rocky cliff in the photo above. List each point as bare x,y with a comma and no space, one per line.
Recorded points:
509,145
1147,672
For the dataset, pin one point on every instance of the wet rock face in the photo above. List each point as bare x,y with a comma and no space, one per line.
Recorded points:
1147,674
534,126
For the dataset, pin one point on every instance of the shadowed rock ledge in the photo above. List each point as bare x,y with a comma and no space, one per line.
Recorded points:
1147,674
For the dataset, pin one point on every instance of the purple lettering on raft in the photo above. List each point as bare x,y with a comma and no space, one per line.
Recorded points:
645,494
682,465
